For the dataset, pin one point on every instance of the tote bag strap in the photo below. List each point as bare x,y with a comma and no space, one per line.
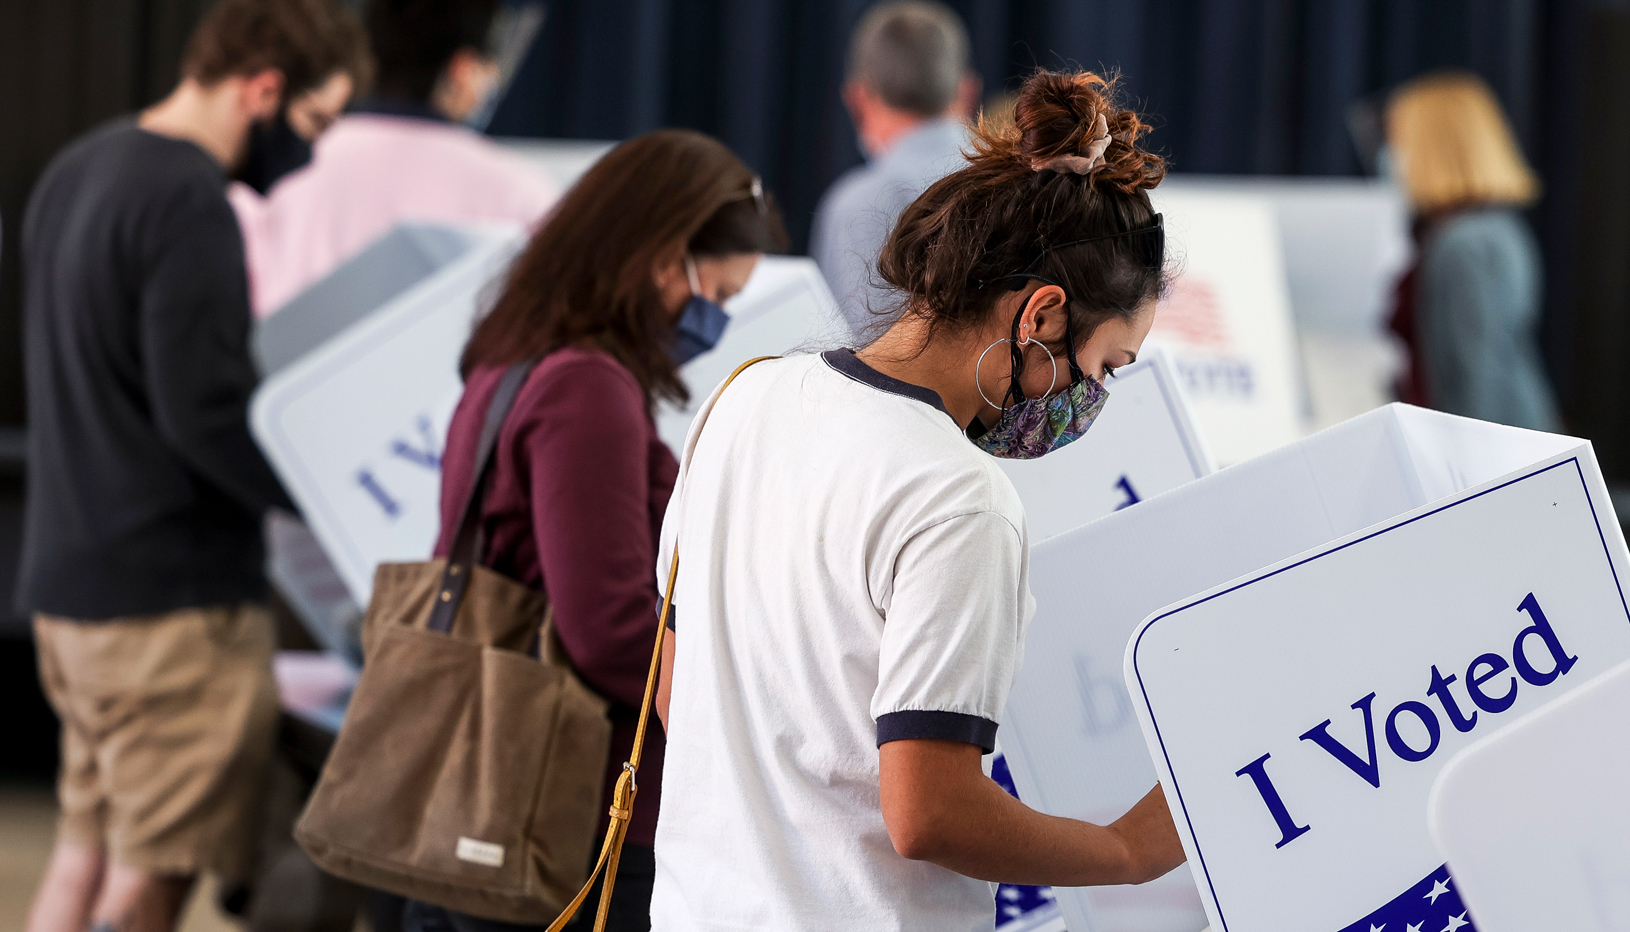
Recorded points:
622,798
467,540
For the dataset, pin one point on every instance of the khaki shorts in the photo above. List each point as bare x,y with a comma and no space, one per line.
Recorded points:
168,724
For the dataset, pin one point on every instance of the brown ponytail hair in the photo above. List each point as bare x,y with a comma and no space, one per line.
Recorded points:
957,248
586,276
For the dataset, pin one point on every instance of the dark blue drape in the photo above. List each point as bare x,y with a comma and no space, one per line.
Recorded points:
1233,86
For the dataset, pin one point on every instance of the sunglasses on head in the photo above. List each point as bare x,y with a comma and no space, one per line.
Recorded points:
1149,242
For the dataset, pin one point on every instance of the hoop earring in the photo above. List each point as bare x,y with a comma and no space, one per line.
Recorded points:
1026,342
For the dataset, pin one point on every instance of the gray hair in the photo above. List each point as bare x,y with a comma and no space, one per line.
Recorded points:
913,53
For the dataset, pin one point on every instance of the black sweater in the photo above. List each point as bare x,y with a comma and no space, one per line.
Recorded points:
145,490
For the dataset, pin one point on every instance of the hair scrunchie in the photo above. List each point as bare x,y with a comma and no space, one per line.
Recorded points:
1083,164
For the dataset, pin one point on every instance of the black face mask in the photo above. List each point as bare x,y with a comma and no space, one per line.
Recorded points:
275,149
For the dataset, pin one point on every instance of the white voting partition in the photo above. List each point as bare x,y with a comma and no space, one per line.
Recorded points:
1534,819
1370,600
563,161
1227,320
1345,241
388,267
355,427
786,307
1143,443
407,254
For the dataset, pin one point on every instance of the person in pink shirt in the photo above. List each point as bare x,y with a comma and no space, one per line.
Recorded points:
402,154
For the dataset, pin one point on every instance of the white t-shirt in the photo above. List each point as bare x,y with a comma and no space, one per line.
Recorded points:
852,571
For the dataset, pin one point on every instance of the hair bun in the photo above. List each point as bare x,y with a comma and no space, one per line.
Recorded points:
1069,122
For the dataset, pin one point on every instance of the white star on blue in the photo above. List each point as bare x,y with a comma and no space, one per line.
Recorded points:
1432,905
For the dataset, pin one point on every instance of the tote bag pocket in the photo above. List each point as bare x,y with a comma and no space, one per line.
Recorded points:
459,778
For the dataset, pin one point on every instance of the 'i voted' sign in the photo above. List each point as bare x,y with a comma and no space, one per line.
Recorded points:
1299,715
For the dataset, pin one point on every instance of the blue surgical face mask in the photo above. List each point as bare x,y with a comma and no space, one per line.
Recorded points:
701,323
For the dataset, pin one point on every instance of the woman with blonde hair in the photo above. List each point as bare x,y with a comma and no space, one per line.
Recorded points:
1478,280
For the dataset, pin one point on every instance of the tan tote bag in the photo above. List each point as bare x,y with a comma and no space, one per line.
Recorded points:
467,773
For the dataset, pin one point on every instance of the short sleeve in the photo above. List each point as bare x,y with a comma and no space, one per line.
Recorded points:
665,555
953,632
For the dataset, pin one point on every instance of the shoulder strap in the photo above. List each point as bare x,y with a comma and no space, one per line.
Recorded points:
622,798
468,539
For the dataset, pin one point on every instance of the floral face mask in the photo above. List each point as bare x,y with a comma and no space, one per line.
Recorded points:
1033,427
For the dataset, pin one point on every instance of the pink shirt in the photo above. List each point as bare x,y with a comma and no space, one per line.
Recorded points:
368,173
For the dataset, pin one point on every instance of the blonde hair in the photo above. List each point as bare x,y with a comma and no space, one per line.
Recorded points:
1454,145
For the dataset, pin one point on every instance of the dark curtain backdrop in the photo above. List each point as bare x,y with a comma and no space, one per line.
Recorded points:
1234,86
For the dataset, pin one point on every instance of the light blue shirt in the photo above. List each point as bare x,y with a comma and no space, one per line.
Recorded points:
858,212
1477,319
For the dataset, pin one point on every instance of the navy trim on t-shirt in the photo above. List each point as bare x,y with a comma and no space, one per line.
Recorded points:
846,362
937,726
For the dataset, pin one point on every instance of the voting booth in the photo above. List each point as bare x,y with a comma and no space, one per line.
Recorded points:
1331,599
562,161
354,424
354,427
1227,320
1534,819
1344,243
1341,617
1144,443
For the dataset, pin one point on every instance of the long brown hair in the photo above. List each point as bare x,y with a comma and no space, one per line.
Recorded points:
587,275
960,245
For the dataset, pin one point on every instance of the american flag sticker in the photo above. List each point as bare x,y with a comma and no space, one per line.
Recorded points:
1429,906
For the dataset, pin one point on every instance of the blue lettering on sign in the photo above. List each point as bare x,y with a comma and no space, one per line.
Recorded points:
1132,497
427,454
1425,731
1218,376
1289,831
1367,767
371,485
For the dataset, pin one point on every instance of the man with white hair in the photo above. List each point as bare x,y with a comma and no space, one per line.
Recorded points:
910,93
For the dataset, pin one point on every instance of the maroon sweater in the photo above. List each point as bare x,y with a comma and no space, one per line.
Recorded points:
579,485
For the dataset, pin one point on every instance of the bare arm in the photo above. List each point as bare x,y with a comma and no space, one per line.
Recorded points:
940,807
665,679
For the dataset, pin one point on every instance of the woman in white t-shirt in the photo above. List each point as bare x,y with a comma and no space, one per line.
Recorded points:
852,593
